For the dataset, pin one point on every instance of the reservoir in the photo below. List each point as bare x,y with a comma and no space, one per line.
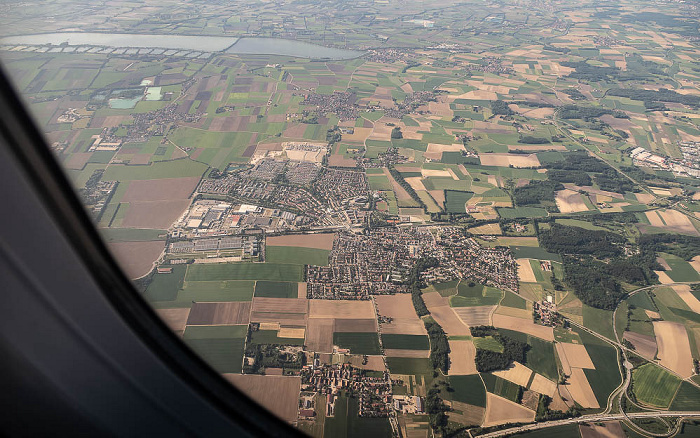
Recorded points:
206,44
143,41
297,49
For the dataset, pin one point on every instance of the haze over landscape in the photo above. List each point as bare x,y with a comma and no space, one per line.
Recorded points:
397,218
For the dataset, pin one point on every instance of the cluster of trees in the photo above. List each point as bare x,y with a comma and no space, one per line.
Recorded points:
529,139
270,356
402,182
487,360
574,240
576,166
533,104
546,414
439,347
588,72
574,94
613,181
591,283
499,107
588,113
578,177
652,98
415,283
594,282
535,192
333,135
396,133
679,245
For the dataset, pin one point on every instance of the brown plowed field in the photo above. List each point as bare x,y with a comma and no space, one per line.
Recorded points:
317,241
580,389
477,315
529,327
154,214
611,429
462,355
674,347
407,353
340,309
501,411
278,394
643,344
165,189
355,325
543,385
282,305
176,319
319,334
220,313
470,414
136,258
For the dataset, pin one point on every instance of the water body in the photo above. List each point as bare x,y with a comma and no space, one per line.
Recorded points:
242,46
179,42
297,49
122,103
153,93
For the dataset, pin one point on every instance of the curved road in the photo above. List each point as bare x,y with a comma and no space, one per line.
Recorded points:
619,392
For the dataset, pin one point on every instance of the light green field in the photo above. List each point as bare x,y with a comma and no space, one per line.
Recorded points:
245,271
654,386
296,255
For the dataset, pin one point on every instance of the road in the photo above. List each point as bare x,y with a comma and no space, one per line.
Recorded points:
589,419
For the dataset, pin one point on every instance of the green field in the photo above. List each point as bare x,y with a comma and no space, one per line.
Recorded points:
568,431
502,387
347,424
606,375
296,255
405,342
270,337
445,289
598,320
468,389
131,234
687,398
379,182
409,365
164,287
455,201
539,357
681,270
358,343
276,289
221,346
654,386
476,295
162,169
245,271
581,224
488,343
534,252
521,212
512,300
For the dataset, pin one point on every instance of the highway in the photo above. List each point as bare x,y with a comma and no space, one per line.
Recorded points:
588,419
